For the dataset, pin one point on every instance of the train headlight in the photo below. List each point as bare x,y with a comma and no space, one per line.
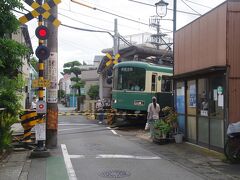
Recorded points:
138,103
114,101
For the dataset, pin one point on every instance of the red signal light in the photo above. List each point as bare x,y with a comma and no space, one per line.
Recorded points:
42,32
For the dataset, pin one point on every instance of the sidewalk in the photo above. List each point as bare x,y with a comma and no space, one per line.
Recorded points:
207,163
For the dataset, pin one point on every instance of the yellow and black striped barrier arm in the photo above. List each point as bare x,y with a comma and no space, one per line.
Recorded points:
28,120
96,113
41,10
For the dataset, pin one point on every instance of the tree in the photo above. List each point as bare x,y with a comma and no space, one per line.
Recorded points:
11,54
73,67
93,91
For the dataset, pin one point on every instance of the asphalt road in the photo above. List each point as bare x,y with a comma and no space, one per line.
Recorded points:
91,151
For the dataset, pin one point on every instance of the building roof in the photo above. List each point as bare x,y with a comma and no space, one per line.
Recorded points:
141,51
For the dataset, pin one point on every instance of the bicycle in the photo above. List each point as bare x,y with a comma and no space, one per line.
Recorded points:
232,145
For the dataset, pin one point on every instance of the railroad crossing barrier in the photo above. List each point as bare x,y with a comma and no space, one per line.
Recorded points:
28,120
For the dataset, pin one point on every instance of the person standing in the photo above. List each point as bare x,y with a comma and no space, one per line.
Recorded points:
34,103
153,113
99,107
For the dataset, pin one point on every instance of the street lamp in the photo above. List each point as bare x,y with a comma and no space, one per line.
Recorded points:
161,8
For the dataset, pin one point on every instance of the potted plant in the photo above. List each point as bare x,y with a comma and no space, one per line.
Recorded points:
161,129
171,119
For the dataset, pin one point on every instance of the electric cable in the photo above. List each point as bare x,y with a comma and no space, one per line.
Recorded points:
101,10
88,30
85,23
97,18
199,4
190,7
184,12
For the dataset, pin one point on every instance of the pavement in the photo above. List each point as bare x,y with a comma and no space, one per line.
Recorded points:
206,163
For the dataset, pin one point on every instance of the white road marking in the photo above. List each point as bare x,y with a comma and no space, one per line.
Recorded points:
76,156
68,163
114,132
69,129
121,156
115,156
76,124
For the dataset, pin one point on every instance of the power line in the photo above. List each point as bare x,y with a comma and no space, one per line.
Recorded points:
190,7
84,23
101,10
88,30
100,19
199,4
184,12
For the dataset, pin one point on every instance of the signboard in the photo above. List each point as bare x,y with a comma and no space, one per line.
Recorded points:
192,96
52,72
220,90
40,83
40,130
41,107
52,96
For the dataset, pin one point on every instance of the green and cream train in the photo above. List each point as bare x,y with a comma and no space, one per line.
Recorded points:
134,85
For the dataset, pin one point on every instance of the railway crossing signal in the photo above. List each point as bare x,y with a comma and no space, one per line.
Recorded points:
42,32
109,76
41,10
112,60
42,52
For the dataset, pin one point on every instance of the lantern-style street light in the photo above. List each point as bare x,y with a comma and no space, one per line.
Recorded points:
161,8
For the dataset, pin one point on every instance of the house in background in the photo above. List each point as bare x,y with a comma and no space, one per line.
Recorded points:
89,76
28,72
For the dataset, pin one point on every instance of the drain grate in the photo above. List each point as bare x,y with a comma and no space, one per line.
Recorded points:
114,174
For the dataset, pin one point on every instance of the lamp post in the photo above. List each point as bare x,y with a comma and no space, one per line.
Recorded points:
161,8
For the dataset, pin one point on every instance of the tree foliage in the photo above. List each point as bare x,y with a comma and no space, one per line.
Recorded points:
11,83
73,67
8,21
93,92
11,53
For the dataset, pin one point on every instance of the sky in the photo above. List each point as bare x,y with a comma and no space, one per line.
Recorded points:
83,46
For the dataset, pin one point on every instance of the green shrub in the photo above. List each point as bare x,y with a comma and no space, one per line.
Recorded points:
6,120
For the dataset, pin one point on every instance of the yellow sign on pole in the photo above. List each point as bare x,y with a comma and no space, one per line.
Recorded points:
40,83
113,60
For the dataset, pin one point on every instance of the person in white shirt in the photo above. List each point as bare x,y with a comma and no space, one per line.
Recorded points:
34,103
153,113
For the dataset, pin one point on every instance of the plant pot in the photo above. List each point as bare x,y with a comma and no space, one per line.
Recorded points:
178,138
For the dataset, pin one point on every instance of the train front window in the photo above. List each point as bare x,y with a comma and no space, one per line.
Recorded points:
130,78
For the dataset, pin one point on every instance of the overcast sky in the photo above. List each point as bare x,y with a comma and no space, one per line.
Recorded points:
83,46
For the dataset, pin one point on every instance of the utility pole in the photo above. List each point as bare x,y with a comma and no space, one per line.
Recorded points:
52,91
115,38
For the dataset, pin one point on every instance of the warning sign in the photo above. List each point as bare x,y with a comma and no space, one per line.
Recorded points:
41,107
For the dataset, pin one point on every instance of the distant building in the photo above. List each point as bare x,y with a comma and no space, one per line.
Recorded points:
89,76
